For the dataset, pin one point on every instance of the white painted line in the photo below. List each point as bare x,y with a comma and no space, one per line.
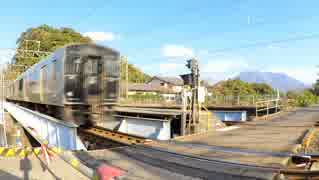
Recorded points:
228,128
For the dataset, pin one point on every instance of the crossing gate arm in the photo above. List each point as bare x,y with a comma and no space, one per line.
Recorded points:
56,132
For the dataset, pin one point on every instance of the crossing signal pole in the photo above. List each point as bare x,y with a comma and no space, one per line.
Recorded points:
193,122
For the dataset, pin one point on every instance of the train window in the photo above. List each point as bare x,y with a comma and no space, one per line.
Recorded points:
91,65
54,69
112,68
20,84
72,66
94,66
88,67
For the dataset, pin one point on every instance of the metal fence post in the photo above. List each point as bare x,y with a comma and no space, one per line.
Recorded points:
267,108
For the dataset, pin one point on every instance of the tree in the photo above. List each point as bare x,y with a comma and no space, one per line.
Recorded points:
262,88
307,98
236,87
36,43
135,75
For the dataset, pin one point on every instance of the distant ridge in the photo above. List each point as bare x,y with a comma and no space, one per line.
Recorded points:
280,81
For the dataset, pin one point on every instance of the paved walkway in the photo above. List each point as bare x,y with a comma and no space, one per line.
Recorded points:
149,164
13,168
255,140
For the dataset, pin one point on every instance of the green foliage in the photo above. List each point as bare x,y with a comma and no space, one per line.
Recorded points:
236,87
316,88
292,94
306,99
262,88
145,96
135,75
35,43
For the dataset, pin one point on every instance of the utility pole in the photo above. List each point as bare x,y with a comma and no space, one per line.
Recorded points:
192,64
126,78
125,63
4,135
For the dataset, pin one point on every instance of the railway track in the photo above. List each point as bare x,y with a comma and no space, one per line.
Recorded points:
118,137
314,156
178,161
211,166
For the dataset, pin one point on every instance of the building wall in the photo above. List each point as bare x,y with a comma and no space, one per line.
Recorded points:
141,92
158,82
232,116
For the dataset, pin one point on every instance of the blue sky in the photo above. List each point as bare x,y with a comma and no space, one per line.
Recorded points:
227,36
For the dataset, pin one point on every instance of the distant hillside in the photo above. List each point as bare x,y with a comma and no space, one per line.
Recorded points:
277,80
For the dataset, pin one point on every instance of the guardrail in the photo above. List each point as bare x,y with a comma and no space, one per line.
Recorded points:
266,106
147,100
26,116
245,100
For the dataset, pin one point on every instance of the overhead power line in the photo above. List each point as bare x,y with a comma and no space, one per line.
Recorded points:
213,52
265,43
92,11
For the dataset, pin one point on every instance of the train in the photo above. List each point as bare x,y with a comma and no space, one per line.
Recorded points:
77,83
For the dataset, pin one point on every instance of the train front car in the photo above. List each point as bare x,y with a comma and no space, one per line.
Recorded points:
92,75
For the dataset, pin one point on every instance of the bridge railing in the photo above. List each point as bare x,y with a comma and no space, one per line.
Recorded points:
151,100
265,107
243,100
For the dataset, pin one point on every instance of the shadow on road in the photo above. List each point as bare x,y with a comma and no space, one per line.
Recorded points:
6,175
26,167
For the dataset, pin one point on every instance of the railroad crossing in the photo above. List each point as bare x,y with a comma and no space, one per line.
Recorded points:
260,149
107,138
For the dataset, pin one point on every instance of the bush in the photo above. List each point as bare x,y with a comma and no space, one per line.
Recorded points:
306,99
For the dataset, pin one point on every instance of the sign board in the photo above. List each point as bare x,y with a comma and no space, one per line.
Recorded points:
187,78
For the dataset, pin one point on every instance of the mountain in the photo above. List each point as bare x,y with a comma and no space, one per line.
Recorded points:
277,80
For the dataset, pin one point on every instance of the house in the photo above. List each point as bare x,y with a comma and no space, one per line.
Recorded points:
174,83
167,87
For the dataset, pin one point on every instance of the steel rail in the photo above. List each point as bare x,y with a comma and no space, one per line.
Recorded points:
119,137
140,144
276,170
314,156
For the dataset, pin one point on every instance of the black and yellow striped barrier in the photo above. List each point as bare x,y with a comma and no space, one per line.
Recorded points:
24,151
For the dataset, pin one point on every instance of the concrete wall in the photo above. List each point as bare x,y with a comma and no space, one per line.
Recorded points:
152,129
235,116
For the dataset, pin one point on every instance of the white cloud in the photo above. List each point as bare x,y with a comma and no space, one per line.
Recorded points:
101,36
225,67
235,65
176,51
171,68
307,75
6,55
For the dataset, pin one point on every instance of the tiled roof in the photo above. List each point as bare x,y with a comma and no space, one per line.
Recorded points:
149,88
172,80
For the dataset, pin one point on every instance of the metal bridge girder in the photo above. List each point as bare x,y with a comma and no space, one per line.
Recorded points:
56,132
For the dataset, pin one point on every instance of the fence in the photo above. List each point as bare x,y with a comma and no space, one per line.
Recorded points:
151,100
247,100
264,107
244,100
